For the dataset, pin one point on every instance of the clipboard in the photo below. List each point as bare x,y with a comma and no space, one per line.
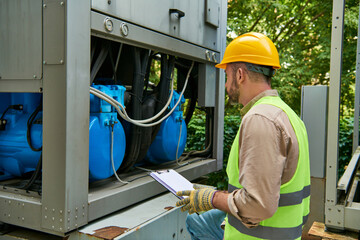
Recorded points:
172,181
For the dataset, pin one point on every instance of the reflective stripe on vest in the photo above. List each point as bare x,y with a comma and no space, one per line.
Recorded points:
268,232
286,199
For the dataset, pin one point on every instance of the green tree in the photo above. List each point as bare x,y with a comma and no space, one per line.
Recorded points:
301,30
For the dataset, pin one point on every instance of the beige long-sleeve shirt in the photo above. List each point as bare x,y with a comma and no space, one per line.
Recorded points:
268,156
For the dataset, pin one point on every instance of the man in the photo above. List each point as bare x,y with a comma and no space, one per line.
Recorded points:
268,167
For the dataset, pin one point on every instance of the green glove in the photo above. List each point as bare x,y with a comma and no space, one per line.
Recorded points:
199,200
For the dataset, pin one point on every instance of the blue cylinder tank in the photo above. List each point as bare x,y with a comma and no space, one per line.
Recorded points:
17,158
103,120
170,141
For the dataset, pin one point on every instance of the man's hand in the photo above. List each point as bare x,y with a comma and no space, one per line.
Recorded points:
199,200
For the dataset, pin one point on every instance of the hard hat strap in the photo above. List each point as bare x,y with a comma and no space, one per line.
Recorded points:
267,71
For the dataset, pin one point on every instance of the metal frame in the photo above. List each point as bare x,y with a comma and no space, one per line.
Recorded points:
67,202
357,96
337,214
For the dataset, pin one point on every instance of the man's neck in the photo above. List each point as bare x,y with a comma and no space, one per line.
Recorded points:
254,90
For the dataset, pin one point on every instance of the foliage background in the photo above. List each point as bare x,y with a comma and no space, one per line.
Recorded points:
301,31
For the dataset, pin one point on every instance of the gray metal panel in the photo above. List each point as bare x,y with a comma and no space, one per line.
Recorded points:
20,85
20,210
334,215
314,115
54,37
142,37
352,218
357,90
115,196
212,12
190,27
66,123
207,85
144,220
20,39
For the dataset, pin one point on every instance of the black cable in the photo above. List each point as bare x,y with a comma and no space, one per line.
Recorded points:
16,107
35,175
7,109
28,130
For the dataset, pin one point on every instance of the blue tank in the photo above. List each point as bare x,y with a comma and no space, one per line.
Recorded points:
164,146
16,157
103,118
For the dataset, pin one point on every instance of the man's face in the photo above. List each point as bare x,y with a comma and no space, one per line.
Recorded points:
231,85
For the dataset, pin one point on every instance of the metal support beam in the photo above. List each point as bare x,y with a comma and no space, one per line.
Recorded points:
65,115
334,214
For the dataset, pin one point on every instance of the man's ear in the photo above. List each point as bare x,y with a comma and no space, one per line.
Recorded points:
240,75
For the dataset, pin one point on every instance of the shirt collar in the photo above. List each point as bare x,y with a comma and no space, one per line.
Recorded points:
249,105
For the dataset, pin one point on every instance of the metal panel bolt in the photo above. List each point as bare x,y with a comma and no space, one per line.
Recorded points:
9,215
34,76
214,57
108,24
174,235
44,5
45,217
45,208
62,3
329,209
124,29
61,61
329,221
61,220
23,218
53,209
61,211
338,222
53,218
207,55
339,210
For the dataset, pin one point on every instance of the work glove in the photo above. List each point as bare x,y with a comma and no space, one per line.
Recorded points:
199,200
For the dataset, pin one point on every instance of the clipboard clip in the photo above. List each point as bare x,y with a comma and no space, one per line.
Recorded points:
162,171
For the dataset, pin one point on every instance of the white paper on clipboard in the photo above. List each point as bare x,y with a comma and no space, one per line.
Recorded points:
172,180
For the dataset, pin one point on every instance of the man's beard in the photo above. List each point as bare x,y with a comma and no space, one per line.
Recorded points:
234,94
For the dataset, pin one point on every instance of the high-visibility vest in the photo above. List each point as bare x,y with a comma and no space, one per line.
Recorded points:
294,203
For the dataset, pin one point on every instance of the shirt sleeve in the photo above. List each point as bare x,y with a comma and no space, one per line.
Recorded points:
262,157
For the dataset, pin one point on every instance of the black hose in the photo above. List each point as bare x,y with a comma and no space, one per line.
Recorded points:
35,175
28,130
132,150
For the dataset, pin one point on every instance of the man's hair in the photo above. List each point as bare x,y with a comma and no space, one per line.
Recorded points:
254,76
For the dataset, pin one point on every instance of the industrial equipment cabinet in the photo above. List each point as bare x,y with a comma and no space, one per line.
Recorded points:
45,47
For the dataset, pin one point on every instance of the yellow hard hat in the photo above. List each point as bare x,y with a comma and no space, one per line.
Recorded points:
253,48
